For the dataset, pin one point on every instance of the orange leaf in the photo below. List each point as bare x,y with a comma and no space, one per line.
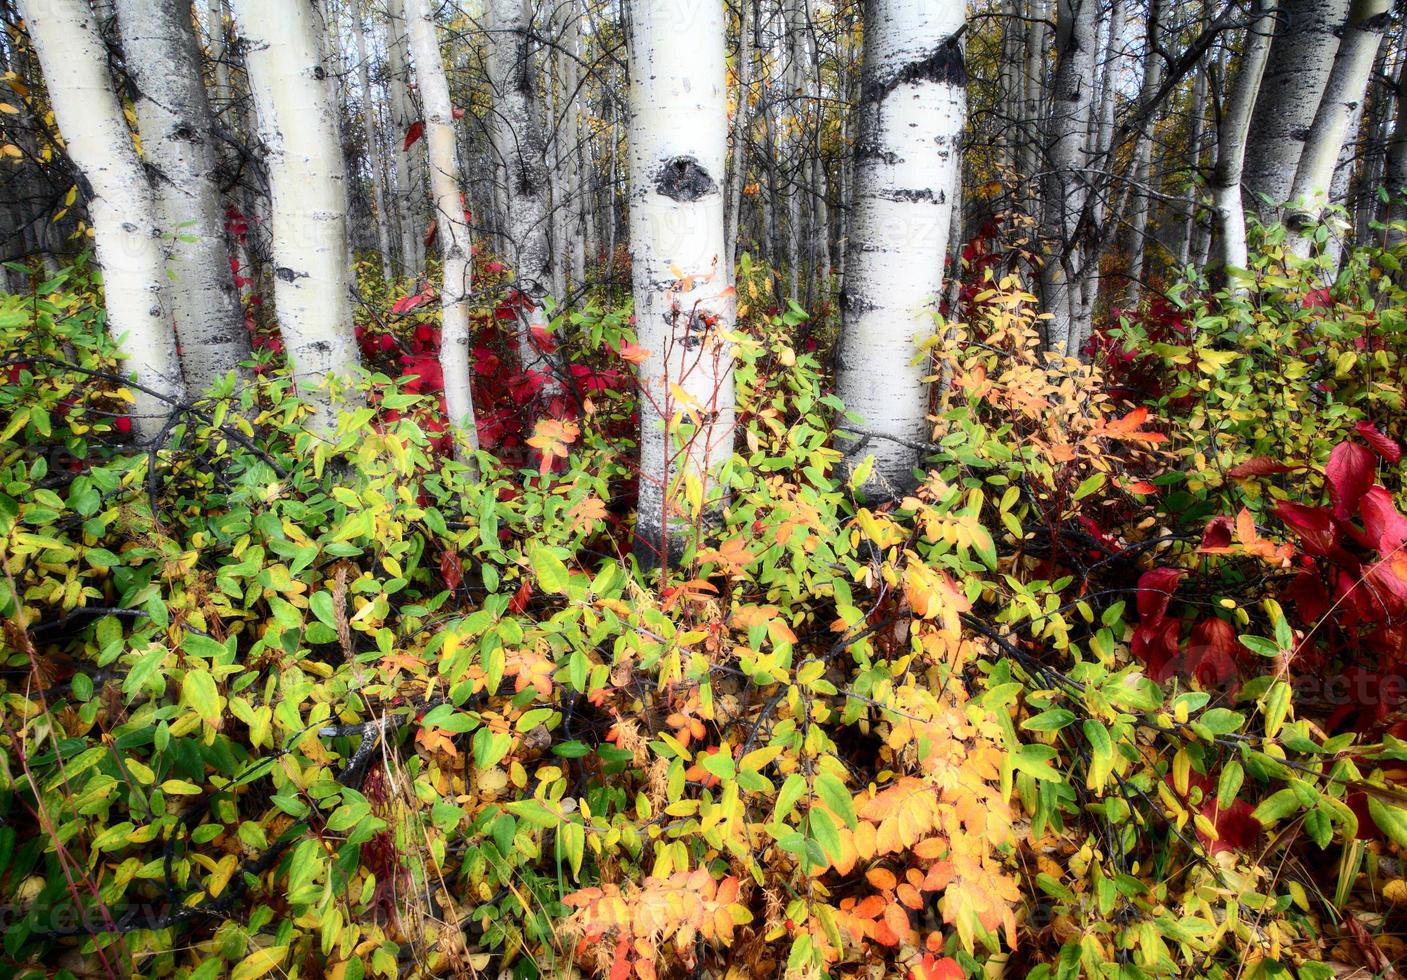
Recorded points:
881,878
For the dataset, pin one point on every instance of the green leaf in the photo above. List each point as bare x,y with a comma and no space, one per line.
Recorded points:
551,573
835,796
1232,776
1034,761
1392,819
199,692
1049,721
1278,806
321,605
720,764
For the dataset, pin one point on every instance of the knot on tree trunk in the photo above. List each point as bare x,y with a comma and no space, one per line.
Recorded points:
683,179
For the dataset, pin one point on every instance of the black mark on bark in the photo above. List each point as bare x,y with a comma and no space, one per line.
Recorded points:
682,179
945,65
287,274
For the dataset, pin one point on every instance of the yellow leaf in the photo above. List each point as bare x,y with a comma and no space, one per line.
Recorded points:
259,962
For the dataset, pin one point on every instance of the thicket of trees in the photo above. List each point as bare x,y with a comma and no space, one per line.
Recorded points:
1126,140
962,378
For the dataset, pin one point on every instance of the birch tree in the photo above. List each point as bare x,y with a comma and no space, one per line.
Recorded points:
1343,96
684,303
120,203
1065,187
1301,58
373,143
409,155
519,138
910,122
177,126
1228,208
308,192
453,235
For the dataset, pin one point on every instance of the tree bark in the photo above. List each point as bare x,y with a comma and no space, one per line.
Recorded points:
1065,189
1301,58
410,162
742,114
520,140
907,160
373,145
684,303
177,125
308,192
1343,96
120,202
455,246
1228,210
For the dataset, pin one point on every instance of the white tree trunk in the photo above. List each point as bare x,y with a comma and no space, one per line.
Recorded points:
121,204
742,116
910,122
308,192
1142,153
684,303
373,144
1395,166
453,237
1228,210
177,125
1065,188
1343,96
1301,58
520,140
410,161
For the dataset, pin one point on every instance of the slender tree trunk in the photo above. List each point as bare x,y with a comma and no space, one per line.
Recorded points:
308,191
373,145
120,202
1343,95
1143,154
1301,58
742,115
907,163
1395,166
1034,95
570,137
1228,211
173,111
684,303
1065,187
410,161
1189,219
455,247
520,139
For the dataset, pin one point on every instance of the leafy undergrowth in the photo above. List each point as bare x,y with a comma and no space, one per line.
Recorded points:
1075,707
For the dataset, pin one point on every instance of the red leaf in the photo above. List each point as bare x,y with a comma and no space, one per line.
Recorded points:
1387,529
1213,652
451,569
430,233
1236,827
521,597
934,968
407,303
1259,466
417,130
1349,474
1314,525
1385,447
1155,591
457,113
1216,536
1154,645
634,353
